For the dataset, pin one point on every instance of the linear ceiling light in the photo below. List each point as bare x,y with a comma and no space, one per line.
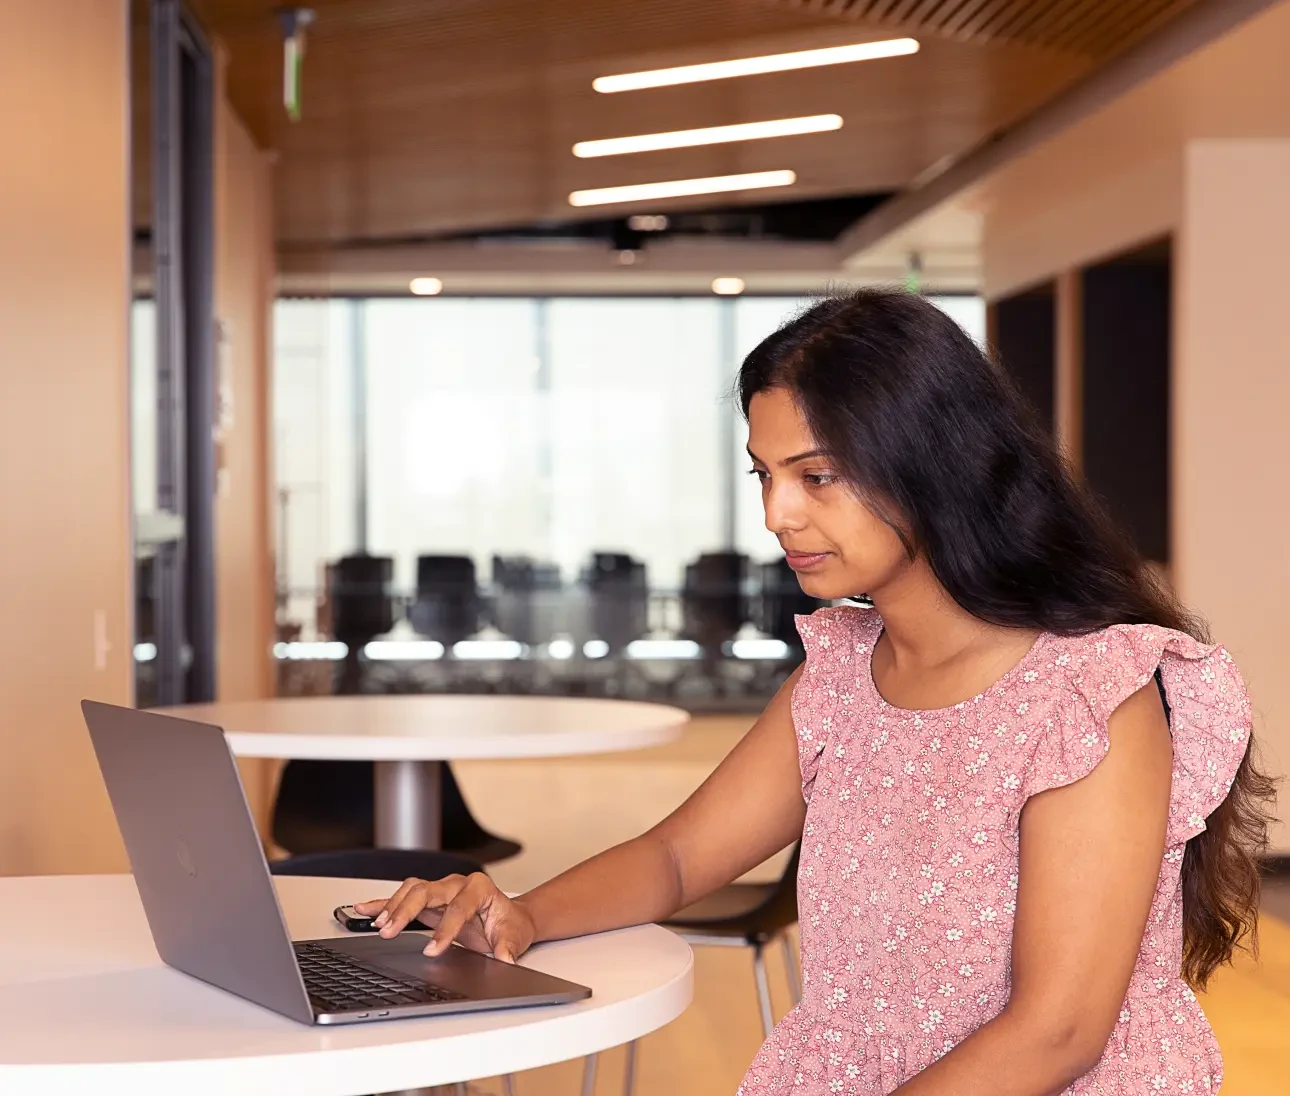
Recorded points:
755,66
712,135
680,188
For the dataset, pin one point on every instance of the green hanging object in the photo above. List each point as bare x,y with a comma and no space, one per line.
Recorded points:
914,273
294,21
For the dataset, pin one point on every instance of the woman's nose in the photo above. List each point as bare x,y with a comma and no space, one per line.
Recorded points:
783,511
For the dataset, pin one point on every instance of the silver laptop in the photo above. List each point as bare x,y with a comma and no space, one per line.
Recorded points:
212,909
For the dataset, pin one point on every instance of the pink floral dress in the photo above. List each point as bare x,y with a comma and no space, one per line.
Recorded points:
908,879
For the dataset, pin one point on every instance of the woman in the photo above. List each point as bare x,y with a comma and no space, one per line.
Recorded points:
1022,780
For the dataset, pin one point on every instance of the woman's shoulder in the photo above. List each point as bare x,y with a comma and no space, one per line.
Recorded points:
1206,701
1107,666
839,630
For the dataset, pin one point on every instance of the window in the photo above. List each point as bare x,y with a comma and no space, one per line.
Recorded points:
543,427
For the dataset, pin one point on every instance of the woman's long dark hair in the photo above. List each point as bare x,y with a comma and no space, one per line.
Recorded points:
937,440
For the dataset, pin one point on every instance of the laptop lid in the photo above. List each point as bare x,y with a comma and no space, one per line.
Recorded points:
195,854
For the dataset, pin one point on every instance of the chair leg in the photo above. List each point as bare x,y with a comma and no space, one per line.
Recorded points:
763,990
508,1084
589,1074
790,965
629,1070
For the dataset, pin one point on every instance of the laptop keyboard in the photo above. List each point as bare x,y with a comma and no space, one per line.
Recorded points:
338,983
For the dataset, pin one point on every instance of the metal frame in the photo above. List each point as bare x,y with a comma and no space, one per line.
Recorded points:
183,241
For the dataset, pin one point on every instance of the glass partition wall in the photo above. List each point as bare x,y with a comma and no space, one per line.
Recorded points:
527,494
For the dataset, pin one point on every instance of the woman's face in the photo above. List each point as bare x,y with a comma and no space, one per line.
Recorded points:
836,544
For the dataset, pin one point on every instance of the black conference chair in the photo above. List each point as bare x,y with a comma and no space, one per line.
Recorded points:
447,605
326,806
362,608
527,599
712,600
779,601
744,915
394,865
619,598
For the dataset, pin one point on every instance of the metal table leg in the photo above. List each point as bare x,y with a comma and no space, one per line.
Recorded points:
408,808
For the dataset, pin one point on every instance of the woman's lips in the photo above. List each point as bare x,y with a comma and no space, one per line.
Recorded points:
804,561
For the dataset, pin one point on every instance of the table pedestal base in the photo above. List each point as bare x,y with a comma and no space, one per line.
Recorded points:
408,808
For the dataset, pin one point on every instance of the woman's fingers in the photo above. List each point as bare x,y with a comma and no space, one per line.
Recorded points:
460,909
468,910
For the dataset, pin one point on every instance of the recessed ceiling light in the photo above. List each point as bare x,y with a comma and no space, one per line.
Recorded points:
727,287
648,222
679,188
755,66
426,287
712,135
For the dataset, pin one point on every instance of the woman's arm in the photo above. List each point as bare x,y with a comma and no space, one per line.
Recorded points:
1090,857
747,810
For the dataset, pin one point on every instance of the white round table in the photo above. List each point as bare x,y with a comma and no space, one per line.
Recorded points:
408,736
89,1007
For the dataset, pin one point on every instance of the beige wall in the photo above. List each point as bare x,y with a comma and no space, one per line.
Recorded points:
1199,152
1231,392
65,630
244,283
1115,179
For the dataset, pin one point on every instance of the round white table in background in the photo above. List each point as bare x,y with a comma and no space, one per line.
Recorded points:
408,736
88,1006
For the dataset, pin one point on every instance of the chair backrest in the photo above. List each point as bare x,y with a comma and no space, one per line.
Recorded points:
447,601
361,605
779,910
619,598
528,599
394,865
712,600
780,600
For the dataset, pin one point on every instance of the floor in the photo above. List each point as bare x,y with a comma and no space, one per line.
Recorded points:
565,810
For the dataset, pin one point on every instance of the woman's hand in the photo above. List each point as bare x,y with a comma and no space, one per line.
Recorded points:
469,909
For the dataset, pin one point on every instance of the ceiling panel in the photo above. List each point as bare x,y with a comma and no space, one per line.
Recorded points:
423,117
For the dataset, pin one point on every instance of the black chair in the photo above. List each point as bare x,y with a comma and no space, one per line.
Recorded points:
527,599
619,598
447,604
713,606
362,608
780,599
395,865
742,915
328,806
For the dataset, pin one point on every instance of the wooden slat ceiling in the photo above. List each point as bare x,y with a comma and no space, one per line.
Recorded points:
1095,28
424,117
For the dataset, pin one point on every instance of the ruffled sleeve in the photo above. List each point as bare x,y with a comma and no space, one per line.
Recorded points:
837,641
1209,715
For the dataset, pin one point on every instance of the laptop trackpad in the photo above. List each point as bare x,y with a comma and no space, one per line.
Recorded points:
458,969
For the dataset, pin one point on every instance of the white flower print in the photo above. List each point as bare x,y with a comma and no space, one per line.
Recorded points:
880,1003
887,781
1020,738
1124,1015
1159,1082
980,837
967,970
953,934
987,915
1011,782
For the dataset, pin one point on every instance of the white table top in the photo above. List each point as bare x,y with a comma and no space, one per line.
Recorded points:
436,727
88,1006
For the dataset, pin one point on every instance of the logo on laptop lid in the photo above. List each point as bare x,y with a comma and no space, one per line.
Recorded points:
186,858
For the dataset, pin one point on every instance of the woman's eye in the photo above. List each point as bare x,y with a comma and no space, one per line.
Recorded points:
820,479
760,473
